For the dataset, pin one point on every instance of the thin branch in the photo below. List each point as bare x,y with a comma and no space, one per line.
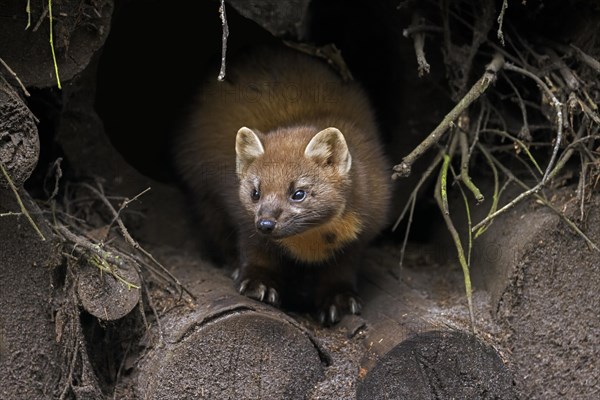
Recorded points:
14,74
567,74
501,21
557,105
21,205
419,43
404,168
464,166
587,59
129,239
95,249
495,196
522,145
221,76
524,133
570,223
40,20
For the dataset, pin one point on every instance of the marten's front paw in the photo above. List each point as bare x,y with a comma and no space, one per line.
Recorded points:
257,290
334,307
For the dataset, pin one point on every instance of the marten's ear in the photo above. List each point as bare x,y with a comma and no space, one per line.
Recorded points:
329,147
248,148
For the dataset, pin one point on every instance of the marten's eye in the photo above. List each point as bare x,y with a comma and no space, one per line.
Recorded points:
298,195
255,195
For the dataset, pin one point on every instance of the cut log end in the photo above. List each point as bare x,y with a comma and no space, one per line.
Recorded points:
441,365
19,142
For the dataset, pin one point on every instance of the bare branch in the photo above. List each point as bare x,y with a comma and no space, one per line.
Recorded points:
221,76
404,168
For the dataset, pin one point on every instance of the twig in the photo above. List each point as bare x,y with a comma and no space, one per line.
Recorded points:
11,213
570,223
419,43
417,187
403,169
557,105
495,196
518,142
21,205
413,201
13,73
589,60
484,112
28,11
57,176
549,173
124,205
501,21
102,259
40,20
464,166
221,76
129,239
567,74
153,308
581,186
590,113
524,133
410,206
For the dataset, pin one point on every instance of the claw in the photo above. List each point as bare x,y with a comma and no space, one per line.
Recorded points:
354,306
261,291
273,297
243,286
333,314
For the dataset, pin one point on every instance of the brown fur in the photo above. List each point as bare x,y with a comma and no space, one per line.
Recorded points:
285,99
322,242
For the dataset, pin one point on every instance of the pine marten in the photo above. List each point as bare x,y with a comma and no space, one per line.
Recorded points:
288,155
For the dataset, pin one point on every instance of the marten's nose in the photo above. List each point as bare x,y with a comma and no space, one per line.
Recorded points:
265,225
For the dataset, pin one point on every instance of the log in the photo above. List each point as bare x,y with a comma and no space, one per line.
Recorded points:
19,142
30,357
78,32
284,19
417,337
439,365
407,344
543,280
226,346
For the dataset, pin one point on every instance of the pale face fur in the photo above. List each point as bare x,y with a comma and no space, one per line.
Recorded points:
294,178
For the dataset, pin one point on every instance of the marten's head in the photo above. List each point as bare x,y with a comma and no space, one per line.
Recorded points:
292,180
